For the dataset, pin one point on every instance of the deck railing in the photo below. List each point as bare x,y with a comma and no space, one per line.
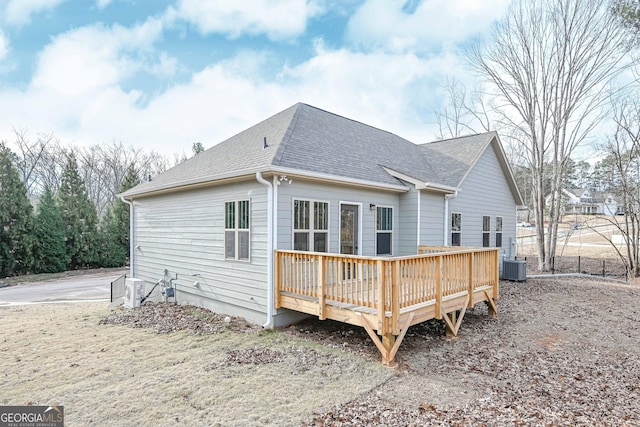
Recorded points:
381,290
385,284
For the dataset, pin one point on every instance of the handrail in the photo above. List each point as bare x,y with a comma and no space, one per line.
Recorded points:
385,294
384,284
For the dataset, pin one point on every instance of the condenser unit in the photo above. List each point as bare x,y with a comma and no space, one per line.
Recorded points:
133,292
514,270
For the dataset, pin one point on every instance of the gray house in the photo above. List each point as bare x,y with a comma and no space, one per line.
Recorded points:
309,180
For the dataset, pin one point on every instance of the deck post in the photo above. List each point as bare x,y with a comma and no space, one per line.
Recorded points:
470,255
496,276
453,319
276,278
438,287
382,293
395,298
388,341
322,303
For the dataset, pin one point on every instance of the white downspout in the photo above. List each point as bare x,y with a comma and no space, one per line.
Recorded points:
270,291
131,245
447,197
419,217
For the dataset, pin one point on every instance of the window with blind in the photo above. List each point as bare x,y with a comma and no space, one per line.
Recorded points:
236,230
456,228
498,232
310,226
486,231
384,230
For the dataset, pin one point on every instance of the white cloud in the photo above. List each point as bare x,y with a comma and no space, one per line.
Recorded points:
81,61
388,91
79,77
77,90
278,19
4,45
102,3
384,24
18,12
391,91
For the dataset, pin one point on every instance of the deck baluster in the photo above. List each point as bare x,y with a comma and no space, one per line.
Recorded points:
388,295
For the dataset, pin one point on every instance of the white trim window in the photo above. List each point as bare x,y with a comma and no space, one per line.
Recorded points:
384,230
456,228
498,232
236,230
486,231
310,225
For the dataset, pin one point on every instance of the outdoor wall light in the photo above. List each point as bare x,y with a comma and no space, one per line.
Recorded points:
372,206
284,178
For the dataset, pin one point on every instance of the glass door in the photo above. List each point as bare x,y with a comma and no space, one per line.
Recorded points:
349,229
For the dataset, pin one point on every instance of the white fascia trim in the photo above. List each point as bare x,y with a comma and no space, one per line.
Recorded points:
421,185
249,173
173,186
336,179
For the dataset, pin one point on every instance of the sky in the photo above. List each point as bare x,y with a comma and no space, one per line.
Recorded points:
161,75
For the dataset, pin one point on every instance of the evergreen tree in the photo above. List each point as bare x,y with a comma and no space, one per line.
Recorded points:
51,252
16,219
79,217
197,148
115,226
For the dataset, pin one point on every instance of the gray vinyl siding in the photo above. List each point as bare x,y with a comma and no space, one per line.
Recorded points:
335,195
184,234
431,218
485,191
408,223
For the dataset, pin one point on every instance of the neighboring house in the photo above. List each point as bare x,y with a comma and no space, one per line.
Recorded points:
581,201
310,180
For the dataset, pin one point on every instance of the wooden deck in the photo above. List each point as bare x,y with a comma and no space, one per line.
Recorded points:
388,295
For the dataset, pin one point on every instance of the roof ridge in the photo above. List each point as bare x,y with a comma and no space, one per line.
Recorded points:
284,142
471,135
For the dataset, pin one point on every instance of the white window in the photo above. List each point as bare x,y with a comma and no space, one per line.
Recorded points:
456,228
486,231
236,230
310,225
498,232
384,230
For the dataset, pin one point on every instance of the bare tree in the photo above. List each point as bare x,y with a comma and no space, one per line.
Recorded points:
549,65
461,113
31,155
104,167
41,163
622,152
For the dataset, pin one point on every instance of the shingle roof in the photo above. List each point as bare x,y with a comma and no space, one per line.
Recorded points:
311,140
455,157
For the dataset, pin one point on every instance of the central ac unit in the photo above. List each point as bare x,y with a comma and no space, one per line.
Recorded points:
514,270
133,292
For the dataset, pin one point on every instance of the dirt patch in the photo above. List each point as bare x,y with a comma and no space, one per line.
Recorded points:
562,351
199,370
